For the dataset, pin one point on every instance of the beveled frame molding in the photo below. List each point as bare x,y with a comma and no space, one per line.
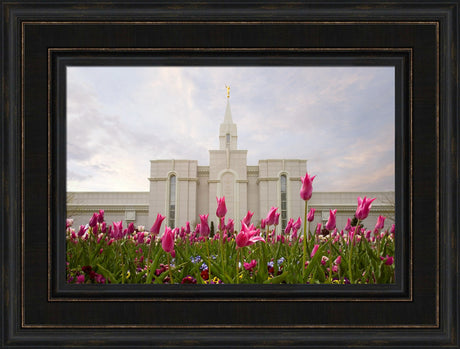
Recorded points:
307,298
442,332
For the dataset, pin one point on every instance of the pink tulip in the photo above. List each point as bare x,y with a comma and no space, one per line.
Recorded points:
250,266
82,230
277,219
262,223
392,229
230,226
388,260
241,239
271,216
68,222
318,229
204,227
118,230
100,217
307,188
311,215
140,237
221,208
247,236
247,220
155,230
348,226
167,241
338,260
131,228
93,220
364,206
294,235
297,224
313,252
380,223
331,222
289,226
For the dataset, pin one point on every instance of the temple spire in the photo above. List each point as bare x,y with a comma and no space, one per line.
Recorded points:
227,132
228,114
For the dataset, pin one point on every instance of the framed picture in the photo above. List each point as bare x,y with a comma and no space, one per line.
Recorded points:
43,42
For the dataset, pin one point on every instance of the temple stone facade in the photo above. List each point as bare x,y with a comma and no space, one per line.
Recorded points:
182,190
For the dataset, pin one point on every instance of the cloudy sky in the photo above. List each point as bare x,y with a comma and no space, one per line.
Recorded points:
341,119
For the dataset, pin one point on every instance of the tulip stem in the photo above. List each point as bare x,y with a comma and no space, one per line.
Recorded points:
122,264
170,271
305,248
237,266
330,259
209,258
351,250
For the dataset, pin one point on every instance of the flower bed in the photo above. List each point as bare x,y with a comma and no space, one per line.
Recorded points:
102,253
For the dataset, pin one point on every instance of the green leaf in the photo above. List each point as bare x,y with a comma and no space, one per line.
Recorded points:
277,279
153,266
113,279
315,261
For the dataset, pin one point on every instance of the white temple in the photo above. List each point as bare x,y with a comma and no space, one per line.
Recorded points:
182,190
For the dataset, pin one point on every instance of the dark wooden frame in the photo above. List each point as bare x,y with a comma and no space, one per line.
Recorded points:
40,38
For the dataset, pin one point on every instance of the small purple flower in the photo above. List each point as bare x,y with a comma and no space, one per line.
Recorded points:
81,279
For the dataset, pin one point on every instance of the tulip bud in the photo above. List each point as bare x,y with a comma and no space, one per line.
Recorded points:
307,188
311,215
